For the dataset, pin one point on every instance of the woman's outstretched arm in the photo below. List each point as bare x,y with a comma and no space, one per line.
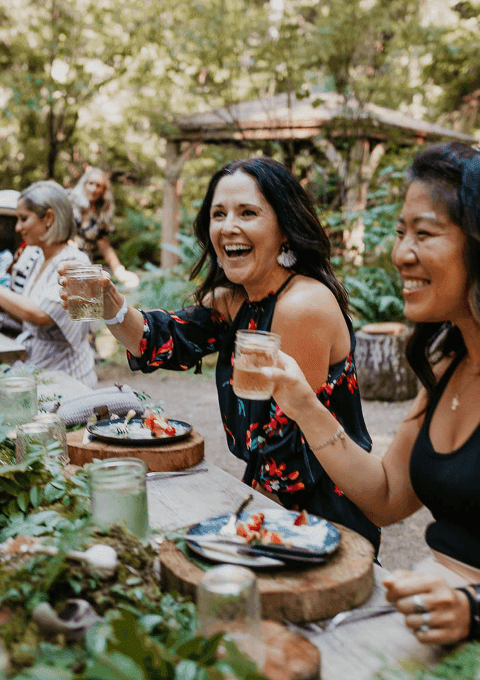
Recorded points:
129,332
381,488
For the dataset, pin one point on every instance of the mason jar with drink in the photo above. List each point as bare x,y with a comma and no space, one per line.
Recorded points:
228,601
118,493
254,350
18,399
85,292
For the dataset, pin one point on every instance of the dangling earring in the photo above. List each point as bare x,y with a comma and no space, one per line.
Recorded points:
219,263
287,257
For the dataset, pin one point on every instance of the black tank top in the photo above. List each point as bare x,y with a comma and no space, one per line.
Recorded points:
448,484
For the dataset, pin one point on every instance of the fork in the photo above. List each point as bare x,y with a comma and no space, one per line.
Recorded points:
359,614
123,427
230,526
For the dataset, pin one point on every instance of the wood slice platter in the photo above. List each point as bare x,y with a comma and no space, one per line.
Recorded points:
289,656
162,458
297,595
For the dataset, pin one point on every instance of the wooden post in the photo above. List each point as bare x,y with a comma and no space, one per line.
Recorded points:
174,160
170,208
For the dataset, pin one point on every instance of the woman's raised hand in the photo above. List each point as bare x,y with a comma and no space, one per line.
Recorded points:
63,279
291,390
436,612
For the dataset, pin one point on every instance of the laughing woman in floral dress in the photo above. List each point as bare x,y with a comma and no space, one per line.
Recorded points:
268,269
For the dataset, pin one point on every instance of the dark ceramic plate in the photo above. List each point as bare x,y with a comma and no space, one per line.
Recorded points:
106,430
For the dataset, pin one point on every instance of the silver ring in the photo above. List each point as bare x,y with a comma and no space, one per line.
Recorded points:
426,619
418,606
424,628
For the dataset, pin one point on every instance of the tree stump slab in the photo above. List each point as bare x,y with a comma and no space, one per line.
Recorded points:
382,368
159,458
297,595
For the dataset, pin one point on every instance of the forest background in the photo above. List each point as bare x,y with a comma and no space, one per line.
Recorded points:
101,83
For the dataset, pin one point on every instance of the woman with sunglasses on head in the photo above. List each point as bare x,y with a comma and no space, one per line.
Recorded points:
53,341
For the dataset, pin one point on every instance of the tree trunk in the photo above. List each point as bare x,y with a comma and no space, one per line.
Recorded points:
174,160
361,165
382,368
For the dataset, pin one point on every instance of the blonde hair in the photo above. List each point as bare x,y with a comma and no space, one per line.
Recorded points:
104,207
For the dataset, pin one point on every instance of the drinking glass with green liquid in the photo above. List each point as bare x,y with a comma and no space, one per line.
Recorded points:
118,490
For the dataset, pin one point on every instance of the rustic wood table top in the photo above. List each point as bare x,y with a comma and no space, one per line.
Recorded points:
352,651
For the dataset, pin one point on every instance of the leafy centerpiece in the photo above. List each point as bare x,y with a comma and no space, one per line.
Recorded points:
138,631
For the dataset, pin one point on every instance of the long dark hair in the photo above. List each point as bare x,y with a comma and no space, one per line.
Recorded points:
297,220
451,172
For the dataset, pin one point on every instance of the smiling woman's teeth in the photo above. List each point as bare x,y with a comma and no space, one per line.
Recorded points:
414,284
237,250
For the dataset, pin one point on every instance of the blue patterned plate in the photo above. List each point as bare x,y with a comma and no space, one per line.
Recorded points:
319,536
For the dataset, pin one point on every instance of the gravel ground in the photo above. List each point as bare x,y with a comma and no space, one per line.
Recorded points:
193,398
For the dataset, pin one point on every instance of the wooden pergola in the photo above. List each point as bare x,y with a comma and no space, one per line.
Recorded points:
321,122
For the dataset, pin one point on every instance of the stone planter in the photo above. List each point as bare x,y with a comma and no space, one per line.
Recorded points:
382,369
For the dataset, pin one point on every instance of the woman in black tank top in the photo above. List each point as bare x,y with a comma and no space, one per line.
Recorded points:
434,459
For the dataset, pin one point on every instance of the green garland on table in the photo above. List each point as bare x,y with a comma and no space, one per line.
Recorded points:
145,634
461,664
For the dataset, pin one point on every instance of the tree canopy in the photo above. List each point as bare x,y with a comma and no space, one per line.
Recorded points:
100,82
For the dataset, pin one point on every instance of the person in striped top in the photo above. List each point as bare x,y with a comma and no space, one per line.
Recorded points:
52,339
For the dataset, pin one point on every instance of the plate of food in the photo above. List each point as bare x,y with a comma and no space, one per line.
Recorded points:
151,429
269,527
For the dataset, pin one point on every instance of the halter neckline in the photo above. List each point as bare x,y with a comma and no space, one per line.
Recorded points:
273,293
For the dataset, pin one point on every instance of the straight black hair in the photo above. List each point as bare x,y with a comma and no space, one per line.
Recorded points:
451,172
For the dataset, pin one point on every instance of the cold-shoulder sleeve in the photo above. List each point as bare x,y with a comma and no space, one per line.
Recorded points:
177,340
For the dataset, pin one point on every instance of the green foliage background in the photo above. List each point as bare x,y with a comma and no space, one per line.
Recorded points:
100,83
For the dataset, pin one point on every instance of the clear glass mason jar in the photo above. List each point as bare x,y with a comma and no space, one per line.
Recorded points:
18,399
118,490
254,350
228,601
58,432
85,292
31,437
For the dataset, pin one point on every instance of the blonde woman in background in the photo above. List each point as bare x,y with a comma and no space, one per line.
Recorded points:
94,207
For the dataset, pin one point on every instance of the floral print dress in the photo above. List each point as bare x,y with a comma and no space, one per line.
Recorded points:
275,451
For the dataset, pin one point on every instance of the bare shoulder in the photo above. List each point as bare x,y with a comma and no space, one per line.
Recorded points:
226,301
309,299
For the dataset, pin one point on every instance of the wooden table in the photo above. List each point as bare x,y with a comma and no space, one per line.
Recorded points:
10,349
353,651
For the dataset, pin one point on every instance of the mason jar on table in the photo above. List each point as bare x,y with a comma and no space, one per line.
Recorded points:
118,490
18,399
